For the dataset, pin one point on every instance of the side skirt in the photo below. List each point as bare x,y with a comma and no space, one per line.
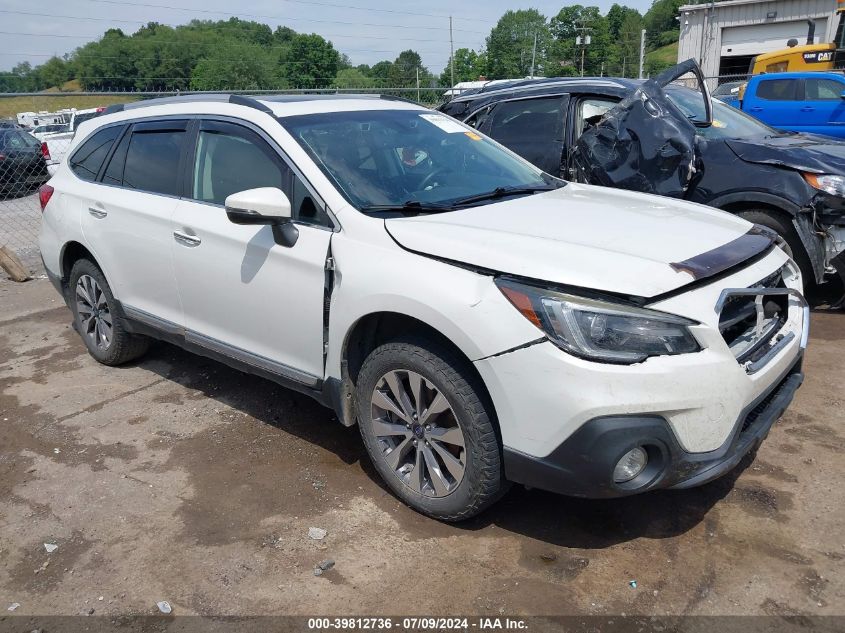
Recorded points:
141,322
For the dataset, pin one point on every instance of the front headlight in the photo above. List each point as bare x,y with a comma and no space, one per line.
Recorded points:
601,330
834,185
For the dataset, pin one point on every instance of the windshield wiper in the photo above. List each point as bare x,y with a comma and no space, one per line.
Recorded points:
410,206
501,192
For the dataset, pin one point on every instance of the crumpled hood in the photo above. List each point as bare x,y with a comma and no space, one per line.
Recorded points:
579,235
806,152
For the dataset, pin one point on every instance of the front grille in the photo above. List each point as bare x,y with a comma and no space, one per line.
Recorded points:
749,322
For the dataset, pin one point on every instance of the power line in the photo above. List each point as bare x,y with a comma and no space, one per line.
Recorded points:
266,17
91,55
306,2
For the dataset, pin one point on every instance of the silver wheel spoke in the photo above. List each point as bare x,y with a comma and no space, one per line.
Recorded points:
386,429
416,382
395,456
455,467
95,320
398,391
438,405
417,476
438,482
449,435
381,400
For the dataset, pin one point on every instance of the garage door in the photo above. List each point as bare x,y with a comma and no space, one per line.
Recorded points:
754,39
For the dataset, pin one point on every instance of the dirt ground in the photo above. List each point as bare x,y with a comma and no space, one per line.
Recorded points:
178,479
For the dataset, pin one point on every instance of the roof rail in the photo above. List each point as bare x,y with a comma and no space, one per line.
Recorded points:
243,100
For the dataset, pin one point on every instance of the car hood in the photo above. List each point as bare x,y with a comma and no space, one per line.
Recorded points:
805,152
586,236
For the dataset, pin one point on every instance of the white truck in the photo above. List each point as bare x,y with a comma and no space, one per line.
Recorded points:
58,142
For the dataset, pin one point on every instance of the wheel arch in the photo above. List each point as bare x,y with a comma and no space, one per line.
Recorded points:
376,328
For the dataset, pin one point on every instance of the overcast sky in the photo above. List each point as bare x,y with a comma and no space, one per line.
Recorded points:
366,30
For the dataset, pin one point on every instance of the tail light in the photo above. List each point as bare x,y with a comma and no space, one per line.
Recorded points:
45,192
45,151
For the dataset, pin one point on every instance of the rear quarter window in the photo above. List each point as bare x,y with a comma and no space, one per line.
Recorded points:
87,160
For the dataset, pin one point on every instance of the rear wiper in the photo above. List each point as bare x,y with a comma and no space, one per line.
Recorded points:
501,192
410,206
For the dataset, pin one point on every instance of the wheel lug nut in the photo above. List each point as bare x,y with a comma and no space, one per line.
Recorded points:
415,442
427,427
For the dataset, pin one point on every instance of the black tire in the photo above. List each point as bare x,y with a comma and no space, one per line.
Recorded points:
483,482
783,226
123,346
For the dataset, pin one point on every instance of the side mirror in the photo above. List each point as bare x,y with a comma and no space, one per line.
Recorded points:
265,205
842,95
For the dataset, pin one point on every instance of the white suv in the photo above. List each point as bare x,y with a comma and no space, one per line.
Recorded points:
481,321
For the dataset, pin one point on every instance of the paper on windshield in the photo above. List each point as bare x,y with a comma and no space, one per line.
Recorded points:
450,126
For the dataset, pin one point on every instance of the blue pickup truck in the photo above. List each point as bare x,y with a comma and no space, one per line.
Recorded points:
808,102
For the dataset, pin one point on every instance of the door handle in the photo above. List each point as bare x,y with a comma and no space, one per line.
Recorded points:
186,240
97,213
756,109
807,109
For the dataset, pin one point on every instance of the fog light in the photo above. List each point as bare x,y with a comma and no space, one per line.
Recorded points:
631,465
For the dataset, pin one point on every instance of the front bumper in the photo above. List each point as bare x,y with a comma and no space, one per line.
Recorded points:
583,464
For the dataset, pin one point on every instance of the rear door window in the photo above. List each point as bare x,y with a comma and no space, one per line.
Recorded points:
153,157
533,128
823,90
778,90
87,160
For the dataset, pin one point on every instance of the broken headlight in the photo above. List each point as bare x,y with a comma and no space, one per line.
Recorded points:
601,330
834,185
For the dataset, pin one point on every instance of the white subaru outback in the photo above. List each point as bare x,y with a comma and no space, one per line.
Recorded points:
481,321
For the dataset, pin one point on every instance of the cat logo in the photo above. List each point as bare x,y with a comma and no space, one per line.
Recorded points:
818,57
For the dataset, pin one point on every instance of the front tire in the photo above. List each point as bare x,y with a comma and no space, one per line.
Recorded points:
97,319
428,432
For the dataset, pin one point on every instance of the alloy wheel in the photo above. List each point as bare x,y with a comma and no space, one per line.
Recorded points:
95,319
418,433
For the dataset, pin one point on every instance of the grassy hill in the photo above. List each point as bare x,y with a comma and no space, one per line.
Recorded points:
52,101
661,58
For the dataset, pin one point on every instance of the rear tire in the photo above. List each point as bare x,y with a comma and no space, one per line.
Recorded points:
97,319
428,432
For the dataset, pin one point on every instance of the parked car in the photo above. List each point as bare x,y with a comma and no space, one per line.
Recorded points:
9,124
655,137
22,163
58,143
480,320
43,131
728,90
806,102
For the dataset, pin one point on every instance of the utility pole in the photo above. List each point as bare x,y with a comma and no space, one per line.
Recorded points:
583,40
418,83
642,52
624,59
533,55
602,70
452,51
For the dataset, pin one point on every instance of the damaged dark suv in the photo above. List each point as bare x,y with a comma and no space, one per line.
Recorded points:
659,137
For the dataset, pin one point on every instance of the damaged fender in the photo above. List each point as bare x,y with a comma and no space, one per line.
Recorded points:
645,143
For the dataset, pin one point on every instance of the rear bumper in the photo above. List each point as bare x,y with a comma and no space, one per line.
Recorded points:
583,464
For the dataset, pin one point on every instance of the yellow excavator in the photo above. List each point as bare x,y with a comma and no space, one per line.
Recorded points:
810,56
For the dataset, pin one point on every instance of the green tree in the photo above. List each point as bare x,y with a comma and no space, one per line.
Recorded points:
628,43
353,78
660,22
510,44
381,73
576,20
235,65
311,62
403,71
54,72
469,66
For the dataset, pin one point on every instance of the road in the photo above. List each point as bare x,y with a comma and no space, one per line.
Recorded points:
179,479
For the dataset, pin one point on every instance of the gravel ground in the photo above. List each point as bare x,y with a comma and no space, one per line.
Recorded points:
179,479
20,223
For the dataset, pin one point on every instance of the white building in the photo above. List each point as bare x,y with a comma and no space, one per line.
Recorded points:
724,36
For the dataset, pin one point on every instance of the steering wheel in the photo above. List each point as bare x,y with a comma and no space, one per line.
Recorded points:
427,180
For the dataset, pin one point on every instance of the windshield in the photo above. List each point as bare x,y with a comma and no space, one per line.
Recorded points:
401,158
728,122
